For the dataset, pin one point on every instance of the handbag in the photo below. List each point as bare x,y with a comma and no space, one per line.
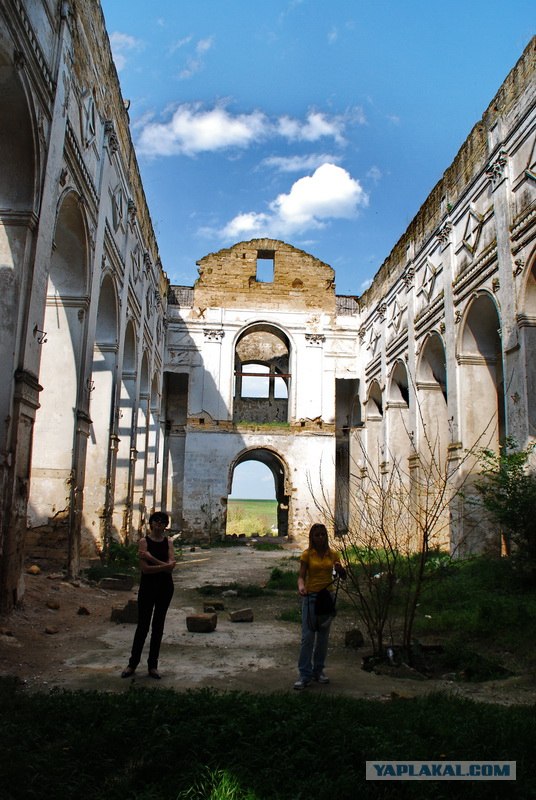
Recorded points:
324,604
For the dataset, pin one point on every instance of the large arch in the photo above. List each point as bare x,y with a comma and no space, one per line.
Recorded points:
262,388
18,202
481,373
54,469
482,406
279,469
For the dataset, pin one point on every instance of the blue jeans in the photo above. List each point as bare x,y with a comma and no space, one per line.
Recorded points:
314,644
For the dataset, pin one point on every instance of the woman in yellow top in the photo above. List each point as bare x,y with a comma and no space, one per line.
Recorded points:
316,573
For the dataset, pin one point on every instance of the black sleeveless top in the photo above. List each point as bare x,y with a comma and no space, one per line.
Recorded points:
159,550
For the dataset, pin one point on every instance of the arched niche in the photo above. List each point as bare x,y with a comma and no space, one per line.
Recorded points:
399,443
481,375
262,375
19,200
527,323
432,410
374,428
279,470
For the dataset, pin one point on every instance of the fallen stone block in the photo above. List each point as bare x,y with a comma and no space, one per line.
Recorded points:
213,605
201,623
128,613
121,583
243,615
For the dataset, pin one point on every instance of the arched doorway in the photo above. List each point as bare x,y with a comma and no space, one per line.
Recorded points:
278,470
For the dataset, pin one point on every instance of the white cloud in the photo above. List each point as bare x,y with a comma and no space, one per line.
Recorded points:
329,193
195,63
333,35
193,129
122,45
300,163
316,127
375,174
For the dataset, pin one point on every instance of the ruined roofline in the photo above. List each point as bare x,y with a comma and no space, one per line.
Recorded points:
469,162
264,243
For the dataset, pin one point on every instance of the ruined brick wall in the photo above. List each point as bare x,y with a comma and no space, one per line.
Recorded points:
229,278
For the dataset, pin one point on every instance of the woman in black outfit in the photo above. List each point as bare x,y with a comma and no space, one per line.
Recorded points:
157,562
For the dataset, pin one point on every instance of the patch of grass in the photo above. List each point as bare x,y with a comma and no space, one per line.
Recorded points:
146,744
283,579
266,546
290,615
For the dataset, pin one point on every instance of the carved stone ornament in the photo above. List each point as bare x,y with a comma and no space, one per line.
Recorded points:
315,338
213,335
361,333
519,266
18,59
495,284
443,234
113,141
407,277
147,264
495,170
382,310
458,316
132,211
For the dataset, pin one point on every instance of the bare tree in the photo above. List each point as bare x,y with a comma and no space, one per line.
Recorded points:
397,517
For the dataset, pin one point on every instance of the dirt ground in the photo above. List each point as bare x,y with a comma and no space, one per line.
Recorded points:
63,637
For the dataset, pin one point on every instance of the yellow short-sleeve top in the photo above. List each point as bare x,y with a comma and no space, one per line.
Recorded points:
319,573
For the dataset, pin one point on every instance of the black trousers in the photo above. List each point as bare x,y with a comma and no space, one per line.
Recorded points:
154,598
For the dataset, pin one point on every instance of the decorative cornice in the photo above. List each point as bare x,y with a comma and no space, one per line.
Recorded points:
315,338
213,335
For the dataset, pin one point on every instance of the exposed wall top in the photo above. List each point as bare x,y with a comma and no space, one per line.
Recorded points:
265,273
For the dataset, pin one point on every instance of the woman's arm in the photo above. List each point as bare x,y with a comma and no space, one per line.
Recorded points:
301,578
149,564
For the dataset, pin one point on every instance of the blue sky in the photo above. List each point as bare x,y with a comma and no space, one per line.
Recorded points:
325,123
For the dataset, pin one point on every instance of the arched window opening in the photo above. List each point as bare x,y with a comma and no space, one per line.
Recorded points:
262,376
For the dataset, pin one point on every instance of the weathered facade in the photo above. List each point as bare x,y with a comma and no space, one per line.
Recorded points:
82,295
121,395
258,367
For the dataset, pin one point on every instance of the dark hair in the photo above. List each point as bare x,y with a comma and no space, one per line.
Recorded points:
319,528
159,516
